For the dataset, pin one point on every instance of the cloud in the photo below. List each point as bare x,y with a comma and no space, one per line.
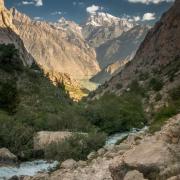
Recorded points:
56,13
150,1
149,16
38,18
27,2
93,9
33,2
38,2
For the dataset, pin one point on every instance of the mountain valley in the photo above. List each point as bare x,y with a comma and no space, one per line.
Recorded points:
91,101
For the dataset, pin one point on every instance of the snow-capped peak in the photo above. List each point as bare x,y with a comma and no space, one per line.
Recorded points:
105,19
68,26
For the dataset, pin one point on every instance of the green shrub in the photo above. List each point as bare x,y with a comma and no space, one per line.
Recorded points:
17,137
9,58
161,117
114,114
136,88
9,97
119,86
158,97
143,76
76,147
156,84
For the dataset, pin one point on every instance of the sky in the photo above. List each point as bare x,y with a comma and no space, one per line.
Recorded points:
143,11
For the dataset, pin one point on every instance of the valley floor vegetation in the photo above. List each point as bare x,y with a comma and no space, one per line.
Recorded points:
29,103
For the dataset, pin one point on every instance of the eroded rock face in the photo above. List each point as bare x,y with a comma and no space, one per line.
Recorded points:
158,55
7,157
55,48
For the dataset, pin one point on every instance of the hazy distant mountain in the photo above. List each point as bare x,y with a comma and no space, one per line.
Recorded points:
101,27
114,54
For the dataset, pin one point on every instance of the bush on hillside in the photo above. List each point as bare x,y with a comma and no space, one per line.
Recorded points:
76,147
164,113
161,117
15,136
9,58
156,84
114,114
9,97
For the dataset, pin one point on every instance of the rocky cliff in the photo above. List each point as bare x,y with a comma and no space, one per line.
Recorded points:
9,34
114,54
56,49
156,60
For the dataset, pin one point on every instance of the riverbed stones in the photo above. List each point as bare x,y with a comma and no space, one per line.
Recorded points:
7,157
69,164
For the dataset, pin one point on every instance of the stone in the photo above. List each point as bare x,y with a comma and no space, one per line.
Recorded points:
110,154
91,156
69,164
14,178
101,152
134,175
124,146
109,147
82,163
6,156
175,140
174,177
175,131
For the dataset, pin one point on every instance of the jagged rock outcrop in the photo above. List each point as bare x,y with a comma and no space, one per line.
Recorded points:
69,26
56,49
153,157
72,86
9,34
158,56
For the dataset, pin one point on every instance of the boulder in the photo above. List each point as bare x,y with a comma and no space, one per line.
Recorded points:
157,157
6,156
134,175
174,177
69,164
